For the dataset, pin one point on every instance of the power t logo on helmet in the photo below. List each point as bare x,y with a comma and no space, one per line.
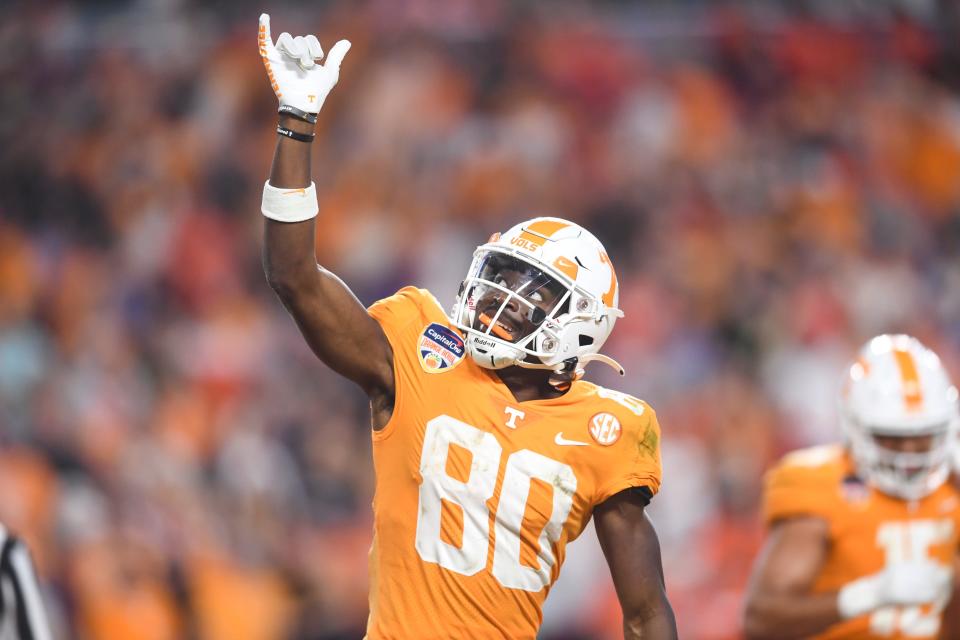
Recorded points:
543,295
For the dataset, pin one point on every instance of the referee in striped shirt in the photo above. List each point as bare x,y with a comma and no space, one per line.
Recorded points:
22,616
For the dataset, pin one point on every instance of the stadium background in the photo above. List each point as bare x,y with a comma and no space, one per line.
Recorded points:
775,182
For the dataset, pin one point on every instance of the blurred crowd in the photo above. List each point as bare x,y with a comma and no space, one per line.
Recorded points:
775,183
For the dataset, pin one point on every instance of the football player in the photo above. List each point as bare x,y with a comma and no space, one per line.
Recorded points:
863,537
490,453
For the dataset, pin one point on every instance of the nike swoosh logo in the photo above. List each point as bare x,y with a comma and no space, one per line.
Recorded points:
570,443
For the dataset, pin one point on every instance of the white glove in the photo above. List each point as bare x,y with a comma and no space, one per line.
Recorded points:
294,68
902,584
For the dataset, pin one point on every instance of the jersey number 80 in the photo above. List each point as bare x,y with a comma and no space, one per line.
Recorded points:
472,495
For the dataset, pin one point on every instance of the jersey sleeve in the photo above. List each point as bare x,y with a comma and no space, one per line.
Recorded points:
634,461
792,490
402,317
400,314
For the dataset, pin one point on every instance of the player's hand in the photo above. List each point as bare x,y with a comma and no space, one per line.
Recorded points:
294,69
901,584
912,583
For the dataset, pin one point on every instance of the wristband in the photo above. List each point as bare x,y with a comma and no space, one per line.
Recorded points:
289,205
295,135
286,109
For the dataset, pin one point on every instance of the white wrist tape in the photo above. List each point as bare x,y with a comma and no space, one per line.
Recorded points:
289,205
858,597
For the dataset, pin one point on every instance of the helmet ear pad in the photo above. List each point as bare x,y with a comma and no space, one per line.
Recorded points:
581,330
570,336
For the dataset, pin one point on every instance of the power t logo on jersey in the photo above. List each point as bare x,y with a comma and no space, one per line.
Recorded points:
440,349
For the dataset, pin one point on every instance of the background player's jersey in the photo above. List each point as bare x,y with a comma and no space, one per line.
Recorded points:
477,494
868,530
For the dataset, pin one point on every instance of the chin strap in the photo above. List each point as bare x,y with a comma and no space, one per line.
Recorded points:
574,366
607,360
564,376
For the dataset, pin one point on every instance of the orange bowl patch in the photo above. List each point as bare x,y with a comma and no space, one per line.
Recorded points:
439,349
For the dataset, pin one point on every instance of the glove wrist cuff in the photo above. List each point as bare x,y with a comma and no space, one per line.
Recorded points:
290,110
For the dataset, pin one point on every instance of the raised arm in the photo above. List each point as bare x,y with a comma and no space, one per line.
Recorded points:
334,323
632,550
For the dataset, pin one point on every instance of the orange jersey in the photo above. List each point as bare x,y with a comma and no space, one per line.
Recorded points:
477,494
868,530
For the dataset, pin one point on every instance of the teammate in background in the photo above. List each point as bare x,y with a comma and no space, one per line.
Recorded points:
22,615
863,537
490,453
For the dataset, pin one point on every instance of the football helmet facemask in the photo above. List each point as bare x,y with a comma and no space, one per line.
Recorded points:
543,295
898,388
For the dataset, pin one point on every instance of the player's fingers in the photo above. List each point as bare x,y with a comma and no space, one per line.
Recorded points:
335,57
306,61
288,46
313,47
263,35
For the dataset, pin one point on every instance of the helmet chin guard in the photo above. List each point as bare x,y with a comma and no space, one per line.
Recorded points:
491,353
540,295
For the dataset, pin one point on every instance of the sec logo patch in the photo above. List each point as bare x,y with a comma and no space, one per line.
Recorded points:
605,428
439,349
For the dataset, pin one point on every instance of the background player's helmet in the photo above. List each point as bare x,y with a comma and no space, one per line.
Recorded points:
556,277
898,387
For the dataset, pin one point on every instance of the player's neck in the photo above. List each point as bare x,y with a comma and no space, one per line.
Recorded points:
528,384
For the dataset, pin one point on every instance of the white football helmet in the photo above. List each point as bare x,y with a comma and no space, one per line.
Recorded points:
543,295
898,387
